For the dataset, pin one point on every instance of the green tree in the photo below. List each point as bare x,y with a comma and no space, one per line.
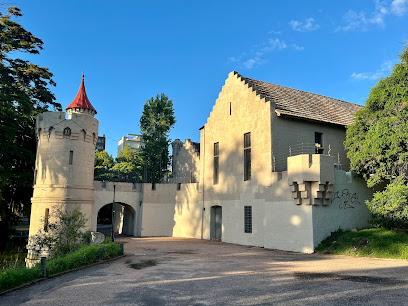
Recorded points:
103,166
377,141
155,124
129,165
24,93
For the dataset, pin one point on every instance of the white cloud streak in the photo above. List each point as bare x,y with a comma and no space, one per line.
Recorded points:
256,58
361,21
373,76
399,7
304,26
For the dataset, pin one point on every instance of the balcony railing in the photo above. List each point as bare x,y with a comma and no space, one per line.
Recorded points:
279,161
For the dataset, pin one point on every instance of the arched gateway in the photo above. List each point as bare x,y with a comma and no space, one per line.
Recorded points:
128,208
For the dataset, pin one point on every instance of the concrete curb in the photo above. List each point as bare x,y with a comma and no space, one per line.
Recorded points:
59,274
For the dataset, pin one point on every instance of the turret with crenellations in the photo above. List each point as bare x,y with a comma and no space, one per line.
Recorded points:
64,167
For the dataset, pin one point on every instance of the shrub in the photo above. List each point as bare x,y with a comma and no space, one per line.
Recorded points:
84,256
13,277
389,208
63,236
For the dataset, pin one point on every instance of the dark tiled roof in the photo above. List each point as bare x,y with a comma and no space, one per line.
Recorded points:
306,105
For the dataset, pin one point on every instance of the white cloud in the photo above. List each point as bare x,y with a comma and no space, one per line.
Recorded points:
257,56
361,21
399,7
372,76
232,59
272,45
249,64
304,26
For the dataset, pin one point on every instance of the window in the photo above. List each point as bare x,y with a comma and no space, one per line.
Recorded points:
153,186
35,176
50,132
71,157
319,143
104,185
67,131
248,219
216,163
247,156
230,109
46,217
178,186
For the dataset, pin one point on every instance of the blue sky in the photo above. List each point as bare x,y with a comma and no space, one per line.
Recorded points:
133,50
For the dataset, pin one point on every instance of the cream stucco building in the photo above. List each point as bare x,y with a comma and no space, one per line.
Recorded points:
134,141
270,170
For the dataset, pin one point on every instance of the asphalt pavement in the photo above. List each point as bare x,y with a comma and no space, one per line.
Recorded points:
174,271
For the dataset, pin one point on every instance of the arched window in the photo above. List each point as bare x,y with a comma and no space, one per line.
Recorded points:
67,131
82,134
50,131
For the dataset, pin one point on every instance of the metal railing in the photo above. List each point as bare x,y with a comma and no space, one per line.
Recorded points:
279,161
151,177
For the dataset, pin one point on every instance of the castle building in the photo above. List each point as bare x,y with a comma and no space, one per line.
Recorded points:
270,170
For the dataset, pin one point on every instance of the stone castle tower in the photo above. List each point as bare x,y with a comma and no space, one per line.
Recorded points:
64,167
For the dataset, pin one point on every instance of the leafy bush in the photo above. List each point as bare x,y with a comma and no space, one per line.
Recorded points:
63,236
13,277
389,208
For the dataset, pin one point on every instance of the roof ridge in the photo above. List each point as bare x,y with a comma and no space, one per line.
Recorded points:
307,92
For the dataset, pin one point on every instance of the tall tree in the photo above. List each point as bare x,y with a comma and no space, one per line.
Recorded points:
377,144
129,165
155,124
24,93
103,166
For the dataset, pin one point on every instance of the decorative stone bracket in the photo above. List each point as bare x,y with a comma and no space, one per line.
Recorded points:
311,178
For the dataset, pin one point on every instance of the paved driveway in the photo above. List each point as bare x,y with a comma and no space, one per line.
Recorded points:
170,271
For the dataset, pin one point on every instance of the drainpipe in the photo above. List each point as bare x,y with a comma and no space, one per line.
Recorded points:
203,178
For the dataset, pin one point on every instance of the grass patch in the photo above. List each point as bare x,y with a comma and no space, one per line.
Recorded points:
375,242
17,276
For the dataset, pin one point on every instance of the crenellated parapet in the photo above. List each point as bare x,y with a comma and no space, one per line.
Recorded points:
78,127
311,178
185,161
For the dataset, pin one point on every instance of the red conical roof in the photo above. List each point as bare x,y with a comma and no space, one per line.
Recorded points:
81,100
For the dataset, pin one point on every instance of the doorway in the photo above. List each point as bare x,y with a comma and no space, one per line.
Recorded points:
216,223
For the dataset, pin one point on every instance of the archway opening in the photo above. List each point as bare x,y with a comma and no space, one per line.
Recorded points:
124,220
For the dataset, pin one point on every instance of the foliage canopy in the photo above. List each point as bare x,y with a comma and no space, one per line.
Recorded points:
377,145
377,141
155,124
24,93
